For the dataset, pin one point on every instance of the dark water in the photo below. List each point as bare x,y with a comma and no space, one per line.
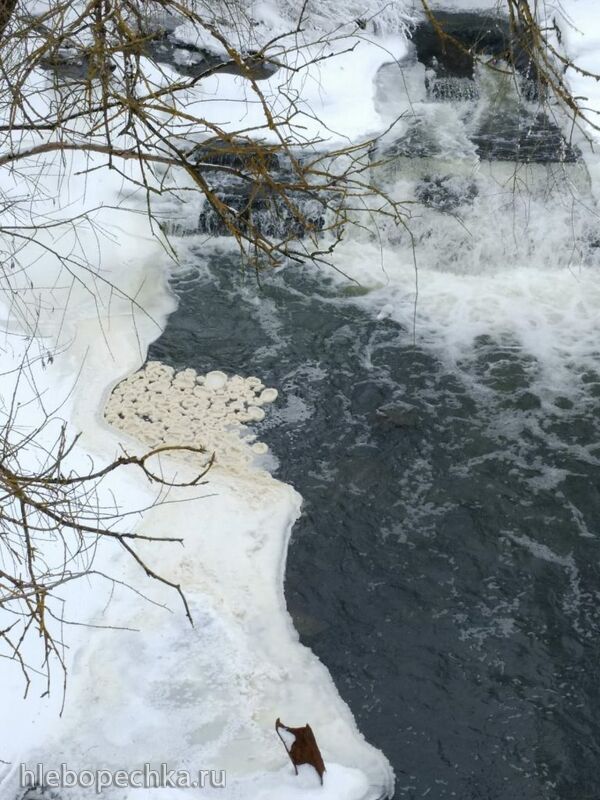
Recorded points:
445,567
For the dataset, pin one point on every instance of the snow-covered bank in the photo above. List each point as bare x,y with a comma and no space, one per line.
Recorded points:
275,24
202,697
144,686
328,92
580,38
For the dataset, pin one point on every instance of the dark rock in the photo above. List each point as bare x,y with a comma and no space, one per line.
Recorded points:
193,61
447,89
445,192
467,34
263,211
272,212
524,137
418,142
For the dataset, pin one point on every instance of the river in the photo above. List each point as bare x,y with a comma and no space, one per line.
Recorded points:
446,444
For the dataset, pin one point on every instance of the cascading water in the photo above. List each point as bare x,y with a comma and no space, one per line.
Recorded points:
440,420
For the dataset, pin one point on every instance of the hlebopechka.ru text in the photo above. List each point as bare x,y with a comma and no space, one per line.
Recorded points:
147,777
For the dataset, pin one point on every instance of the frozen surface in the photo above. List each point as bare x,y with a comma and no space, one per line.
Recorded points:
581,36
145,686
205,412
256,24
333,97
167,692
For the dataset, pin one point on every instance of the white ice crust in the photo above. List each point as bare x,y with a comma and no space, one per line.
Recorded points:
145,686
156,689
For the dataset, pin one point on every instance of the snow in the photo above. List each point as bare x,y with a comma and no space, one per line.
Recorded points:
324,86
255,24
166,692
580,30
333,98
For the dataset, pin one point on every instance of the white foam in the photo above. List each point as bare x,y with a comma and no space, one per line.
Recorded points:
515,257
202,412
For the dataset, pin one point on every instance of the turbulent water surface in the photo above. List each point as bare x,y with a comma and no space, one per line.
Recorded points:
445,567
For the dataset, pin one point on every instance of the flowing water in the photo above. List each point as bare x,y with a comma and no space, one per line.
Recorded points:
446,443
445,567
